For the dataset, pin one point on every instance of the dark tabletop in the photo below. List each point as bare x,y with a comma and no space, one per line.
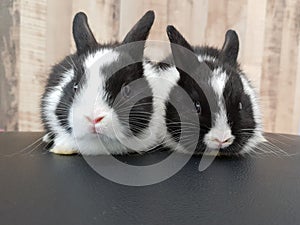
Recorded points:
42,188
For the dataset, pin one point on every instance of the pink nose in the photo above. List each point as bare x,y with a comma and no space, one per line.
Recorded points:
222,142
95,121
98,119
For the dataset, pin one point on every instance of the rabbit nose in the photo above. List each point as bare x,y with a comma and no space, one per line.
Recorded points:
98,119
95,121
228,140
219,141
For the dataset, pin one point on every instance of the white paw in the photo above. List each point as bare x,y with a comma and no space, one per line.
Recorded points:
61,150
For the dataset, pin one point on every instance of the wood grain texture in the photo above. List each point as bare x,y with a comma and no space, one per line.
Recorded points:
279,70
36,34
9,64
253,45
288,66
132,11
103,18
33,35
271,62
57,42
296,113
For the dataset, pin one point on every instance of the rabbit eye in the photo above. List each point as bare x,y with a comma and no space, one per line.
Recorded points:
75,87
126,90
197,107
240,106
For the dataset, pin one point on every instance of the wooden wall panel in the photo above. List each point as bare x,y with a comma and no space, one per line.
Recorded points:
279,69
9,64
271,61
296,113
253,45
35,34
224,15
58,42
288,65
103,17
132,10
190,18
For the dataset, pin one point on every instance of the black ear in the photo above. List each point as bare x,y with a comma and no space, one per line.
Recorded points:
184,57
140,31
82,33
182,51
134,42
176,38
230,49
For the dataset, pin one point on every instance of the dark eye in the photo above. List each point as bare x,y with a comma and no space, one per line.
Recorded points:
75,86
126,90
197,107
240,106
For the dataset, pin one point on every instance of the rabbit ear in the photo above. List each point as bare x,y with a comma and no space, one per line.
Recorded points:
184,57
182,51
140,31
176,38
134,41
82,33
230,49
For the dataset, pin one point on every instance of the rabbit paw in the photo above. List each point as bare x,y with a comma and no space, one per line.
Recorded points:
61,150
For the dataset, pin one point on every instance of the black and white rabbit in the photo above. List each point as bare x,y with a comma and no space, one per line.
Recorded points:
98,100
226,104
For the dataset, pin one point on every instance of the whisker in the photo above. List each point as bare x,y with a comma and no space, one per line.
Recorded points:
37,142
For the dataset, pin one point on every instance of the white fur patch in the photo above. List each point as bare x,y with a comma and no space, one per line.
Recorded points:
52,100
202,58
91,103
102,57
258,131
218,81
221,129
162,81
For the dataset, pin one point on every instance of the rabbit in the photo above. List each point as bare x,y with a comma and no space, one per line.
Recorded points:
223,103
85,110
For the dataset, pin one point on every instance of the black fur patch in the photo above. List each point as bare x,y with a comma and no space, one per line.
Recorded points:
63,109
185,131
135,108
55,78
241,120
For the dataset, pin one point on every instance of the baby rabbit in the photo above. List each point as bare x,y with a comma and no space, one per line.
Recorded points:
98,100
223,101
